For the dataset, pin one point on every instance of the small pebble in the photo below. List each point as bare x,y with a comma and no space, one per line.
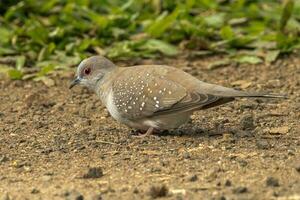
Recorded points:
73,195
272,182
247,122
243,163
240,189
228,183
93,172
262,144
34,191
135,191
279,130
192,178
96,197
158,191
221,198
186,155
3,159
46,178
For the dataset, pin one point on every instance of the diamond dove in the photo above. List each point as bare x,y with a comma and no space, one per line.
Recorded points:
152,97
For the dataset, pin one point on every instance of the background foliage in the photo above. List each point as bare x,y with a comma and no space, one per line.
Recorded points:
57,34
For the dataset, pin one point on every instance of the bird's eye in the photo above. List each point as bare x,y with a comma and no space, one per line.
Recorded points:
87,71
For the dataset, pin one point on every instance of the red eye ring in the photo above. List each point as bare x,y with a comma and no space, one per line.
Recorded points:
87,71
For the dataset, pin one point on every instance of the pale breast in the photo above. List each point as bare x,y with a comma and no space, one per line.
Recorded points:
112,108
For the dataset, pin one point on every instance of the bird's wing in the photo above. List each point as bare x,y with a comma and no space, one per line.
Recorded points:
150,93
195,101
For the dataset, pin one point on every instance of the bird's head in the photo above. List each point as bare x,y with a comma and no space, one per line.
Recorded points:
92,70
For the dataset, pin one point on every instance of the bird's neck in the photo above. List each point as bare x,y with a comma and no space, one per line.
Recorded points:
104,86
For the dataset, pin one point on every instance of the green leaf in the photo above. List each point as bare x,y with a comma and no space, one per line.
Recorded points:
15,74
227,33
122,49
286,42
288,6
20,62
216,20
99,20
190,4
163,22
4,69
46,51
248,59
5,35
6,51
272,56
36,31
160,46
46,70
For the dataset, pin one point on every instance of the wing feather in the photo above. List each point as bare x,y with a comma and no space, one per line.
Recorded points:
151,92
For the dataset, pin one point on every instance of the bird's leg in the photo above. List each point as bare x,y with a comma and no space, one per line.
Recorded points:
148,133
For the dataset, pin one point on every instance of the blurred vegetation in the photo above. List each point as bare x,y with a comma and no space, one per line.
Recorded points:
57,34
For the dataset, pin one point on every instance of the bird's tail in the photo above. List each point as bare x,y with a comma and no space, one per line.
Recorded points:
260,95
241,94
233,93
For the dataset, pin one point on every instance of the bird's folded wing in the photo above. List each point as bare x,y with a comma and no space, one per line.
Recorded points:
195,101
156,95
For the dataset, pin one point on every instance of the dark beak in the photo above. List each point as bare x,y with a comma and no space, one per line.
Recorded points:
74,82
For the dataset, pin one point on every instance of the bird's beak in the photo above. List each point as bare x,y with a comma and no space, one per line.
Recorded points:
74,82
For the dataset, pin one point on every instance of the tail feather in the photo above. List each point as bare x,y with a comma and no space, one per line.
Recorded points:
221,91
261,95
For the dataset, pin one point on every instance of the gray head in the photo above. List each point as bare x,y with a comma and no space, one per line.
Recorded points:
92,70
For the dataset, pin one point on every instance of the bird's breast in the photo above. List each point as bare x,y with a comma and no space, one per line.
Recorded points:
112,108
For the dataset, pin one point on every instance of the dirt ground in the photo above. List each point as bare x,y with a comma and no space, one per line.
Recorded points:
57,143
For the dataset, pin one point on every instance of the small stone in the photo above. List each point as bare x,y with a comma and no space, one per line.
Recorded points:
46,178
244,134
227,137
186,155
73,195
243,163
135,191
243,84
178,192
262,144
47,81
290,152
155,169
192,178
247,122
298,168
3,159
221,198
96,197
93,172
240,189
34,191
158,191
212,175
272,182
228,183
279,130
248,106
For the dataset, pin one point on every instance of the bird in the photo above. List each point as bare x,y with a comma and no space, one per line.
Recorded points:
153,98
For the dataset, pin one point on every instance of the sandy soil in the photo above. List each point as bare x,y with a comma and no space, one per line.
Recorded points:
62,144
